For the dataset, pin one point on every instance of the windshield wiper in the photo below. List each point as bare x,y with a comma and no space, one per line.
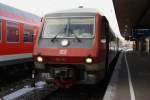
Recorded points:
55,36
79,40
76,37
64,29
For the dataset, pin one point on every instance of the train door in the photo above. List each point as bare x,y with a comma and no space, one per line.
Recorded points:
105,37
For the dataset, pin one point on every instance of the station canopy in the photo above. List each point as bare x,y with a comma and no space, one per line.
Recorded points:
132,14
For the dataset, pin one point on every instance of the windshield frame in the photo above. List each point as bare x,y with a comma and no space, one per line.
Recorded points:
69,17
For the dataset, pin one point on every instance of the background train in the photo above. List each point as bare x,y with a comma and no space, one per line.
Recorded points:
74,47
18,30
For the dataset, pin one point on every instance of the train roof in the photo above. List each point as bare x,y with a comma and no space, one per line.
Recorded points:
16,14
72,12
80,10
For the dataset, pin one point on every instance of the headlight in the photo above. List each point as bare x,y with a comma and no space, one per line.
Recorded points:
39,59
88,60
65,42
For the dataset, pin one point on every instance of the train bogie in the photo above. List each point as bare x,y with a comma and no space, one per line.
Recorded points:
77,73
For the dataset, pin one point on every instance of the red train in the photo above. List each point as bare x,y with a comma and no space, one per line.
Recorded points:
18,30
74,47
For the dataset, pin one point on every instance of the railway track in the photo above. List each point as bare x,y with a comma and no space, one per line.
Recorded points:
87,92
14,86
14,79
80,92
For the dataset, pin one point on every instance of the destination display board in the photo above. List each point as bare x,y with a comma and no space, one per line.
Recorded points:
137,33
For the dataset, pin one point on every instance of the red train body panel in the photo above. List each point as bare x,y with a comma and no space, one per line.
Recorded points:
14,48
17,34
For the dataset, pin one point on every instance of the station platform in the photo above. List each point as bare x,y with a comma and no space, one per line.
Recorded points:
131,77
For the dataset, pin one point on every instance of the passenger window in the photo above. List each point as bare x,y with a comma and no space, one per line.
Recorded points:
104,28
12,32
103,34
28,33
0,30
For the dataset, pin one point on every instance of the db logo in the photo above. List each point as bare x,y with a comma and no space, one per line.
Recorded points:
63,52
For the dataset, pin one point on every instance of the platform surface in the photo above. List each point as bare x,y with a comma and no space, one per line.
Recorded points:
131,78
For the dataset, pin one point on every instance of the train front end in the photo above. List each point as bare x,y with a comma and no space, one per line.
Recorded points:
67,50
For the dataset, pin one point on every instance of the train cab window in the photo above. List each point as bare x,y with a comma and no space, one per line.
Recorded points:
82,27
28,33
12,31
0,30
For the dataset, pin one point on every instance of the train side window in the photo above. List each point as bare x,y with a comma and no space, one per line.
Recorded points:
12,31
104,32
28,33
0,30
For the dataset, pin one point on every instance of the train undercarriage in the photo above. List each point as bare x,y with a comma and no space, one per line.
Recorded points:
66,75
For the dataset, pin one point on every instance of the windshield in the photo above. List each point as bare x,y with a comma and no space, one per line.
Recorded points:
81,27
